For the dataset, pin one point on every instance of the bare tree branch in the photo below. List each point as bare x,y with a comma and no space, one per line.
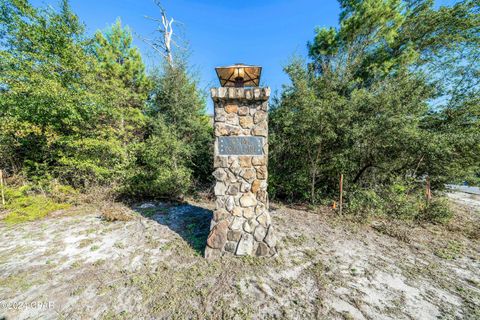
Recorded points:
163,46
155,46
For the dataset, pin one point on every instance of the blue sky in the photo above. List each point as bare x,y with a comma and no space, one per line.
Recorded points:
266,33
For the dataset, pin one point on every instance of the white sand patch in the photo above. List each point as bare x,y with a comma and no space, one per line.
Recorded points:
147,267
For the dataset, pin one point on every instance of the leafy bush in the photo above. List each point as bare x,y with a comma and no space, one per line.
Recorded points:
70,114
158,167
177,101
438,211
400,201
90,161
363,202
403,200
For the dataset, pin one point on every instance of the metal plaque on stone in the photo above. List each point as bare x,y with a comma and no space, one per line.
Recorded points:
241,146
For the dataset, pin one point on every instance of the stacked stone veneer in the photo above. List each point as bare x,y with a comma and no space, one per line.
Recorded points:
241,223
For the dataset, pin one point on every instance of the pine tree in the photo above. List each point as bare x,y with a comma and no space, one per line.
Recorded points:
121,64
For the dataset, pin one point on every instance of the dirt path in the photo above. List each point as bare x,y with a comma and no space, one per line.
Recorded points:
77,266
469,201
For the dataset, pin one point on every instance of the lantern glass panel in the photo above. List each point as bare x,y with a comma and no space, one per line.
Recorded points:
230,75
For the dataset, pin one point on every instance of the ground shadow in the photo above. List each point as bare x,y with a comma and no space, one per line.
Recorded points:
192,223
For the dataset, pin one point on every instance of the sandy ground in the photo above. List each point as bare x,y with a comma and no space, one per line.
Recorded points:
77,266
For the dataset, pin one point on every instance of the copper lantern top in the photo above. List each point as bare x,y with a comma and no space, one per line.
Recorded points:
239,75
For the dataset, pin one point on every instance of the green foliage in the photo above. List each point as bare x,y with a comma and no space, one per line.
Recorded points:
26,203
451,250
90,161
403,201
325,43
177,101
74,108
159,166
364,203
177,152
369,135
437,211
399,200
121,65
57,119
385,99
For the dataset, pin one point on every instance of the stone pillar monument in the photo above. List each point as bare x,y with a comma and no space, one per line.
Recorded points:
241,223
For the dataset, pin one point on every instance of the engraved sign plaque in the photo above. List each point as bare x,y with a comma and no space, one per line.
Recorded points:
242,146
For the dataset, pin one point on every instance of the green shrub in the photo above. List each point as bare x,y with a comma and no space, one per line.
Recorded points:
403,200
72,113
63,193
90,161
158,167
363,202
400,200
438,211
177,101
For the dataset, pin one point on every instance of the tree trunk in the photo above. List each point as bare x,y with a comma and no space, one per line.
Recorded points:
313,171
360,173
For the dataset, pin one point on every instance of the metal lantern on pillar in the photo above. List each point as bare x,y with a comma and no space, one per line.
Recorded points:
239,75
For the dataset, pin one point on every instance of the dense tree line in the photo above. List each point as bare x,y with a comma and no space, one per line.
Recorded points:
84,111
387,98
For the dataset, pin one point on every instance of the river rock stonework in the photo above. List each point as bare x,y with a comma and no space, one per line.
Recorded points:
241,223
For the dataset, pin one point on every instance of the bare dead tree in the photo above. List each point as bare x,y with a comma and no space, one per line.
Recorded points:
163,45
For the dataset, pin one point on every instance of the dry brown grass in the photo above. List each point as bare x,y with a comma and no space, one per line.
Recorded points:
395,229
115,211
104,198
97,195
